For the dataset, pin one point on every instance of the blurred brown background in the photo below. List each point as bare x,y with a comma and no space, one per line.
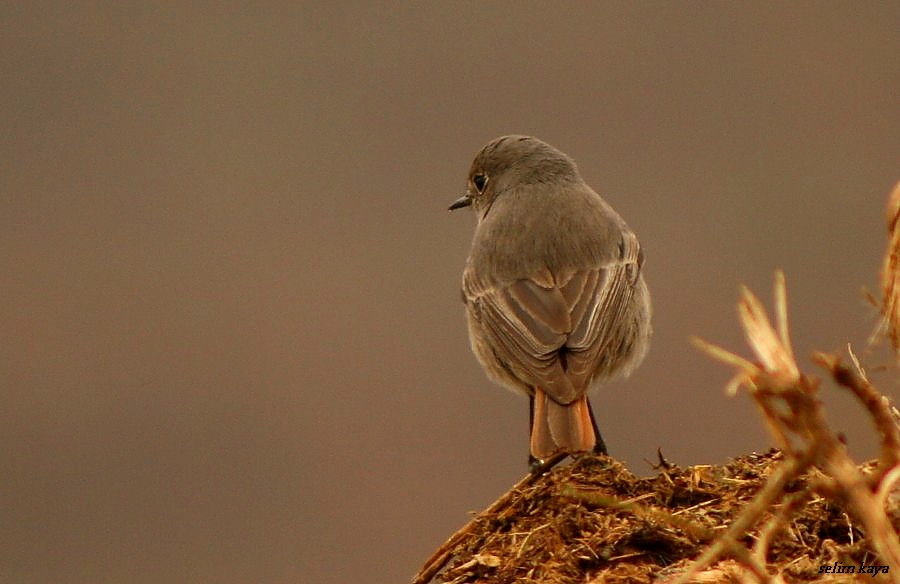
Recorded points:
232,345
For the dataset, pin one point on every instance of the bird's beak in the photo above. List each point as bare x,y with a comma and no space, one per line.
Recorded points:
463,201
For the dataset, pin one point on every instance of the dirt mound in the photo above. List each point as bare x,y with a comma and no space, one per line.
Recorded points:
594,520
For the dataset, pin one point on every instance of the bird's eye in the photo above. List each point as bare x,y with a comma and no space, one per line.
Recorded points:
480,180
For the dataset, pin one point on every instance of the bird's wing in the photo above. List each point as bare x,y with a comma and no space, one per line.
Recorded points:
529,321
596,341
525,323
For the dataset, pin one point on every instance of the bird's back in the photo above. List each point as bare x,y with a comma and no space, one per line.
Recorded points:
532,229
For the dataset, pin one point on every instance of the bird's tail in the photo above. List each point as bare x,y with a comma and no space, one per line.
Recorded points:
557,426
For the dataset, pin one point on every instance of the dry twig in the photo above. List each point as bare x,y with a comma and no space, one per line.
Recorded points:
796,420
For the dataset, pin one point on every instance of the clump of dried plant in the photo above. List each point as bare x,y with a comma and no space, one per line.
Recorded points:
795,418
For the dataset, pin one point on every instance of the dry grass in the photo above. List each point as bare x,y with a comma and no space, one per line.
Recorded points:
775,517
890,274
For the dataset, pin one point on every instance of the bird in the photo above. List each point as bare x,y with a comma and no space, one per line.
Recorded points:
554,290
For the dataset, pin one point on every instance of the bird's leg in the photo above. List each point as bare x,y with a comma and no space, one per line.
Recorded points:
533,463
599,444
539,467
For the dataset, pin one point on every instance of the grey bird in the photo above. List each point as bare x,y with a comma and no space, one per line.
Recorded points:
553,287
